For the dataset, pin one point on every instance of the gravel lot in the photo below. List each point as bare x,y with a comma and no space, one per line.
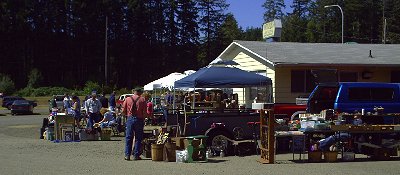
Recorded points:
21,152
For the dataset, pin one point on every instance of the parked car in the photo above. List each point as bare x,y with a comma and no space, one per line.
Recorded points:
8,101
21,107
121,99
59,101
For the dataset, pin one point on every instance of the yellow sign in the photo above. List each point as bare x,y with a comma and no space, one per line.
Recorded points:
269,30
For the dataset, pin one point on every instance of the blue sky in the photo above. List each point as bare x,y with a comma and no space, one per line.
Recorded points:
249,13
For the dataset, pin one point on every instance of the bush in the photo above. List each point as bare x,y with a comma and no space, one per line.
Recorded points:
123,91
42,91
6,85
25,92
91,86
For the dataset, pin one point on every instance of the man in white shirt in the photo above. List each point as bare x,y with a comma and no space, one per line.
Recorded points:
93,106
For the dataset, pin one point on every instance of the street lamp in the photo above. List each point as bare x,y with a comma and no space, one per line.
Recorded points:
327,6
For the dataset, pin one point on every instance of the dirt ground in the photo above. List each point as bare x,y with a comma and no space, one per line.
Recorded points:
21,152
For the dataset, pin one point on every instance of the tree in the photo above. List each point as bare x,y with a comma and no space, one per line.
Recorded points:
6,85
273,10
189,36
252,34
212,14
34,78
229,31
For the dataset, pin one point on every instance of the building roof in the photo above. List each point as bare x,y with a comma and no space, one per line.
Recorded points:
285,53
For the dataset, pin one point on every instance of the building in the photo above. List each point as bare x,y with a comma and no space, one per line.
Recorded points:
289,65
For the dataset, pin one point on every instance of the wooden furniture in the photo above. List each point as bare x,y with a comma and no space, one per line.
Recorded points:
267,137
63,121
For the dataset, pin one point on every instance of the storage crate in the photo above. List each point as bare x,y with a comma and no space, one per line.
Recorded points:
330,156
105,134
315,156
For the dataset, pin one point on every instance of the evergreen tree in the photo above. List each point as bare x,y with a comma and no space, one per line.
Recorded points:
212,14
229,31
273,9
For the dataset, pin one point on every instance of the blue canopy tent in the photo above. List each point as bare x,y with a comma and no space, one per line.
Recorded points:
218,77
221,77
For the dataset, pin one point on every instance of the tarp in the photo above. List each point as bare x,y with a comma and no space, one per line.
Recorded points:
222,77
164,82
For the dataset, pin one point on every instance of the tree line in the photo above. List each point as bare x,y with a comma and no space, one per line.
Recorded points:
62,42
147,39
365,21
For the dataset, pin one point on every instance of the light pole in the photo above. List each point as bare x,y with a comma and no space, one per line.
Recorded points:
341,11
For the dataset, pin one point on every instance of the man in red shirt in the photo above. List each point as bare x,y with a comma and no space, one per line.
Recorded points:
135,109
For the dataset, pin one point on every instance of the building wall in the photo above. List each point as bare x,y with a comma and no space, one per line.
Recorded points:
283,79
249,64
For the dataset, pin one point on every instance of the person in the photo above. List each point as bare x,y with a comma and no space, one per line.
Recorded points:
67,102
76,106
108,118
112,101
134,108
93,107
149,107
103,100
53,103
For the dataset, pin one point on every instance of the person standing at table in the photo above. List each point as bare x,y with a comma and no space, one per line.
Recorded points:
103,100
134,108
93,106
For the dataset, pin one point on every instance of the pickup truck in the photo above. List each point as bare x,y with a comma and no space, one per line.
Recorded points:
353,97
121,99
237,125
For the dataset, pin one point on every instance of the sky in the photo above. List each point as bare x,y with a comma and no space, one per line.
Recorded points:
249,13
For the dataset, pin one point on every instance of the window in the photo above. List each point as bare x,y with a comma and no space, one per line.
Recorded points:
382,94
395,77
371,94
359,94
348,76
302,81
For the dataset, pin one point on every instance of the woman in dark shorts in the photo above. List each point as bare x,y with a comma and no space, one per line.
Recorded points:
76,106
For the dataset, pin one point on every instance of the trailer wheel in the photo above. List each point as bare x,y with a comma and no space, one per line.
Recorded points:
218,142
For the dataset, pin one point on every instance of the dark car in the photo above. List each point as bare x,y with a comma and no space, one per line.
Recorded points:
21,107
8,101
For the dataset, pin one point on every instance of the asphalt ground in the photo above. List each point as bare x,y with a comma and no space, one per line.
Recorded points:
22,152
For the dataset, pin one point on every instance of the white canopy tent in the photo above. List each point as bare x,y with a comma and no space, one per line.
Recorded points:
167,81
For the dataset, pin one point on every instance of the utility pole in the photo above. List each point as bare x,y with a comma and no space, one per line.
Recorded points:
384,22
105,54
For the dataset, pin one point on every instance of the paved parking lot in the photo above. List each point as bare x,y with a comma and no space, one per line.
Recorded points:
21,152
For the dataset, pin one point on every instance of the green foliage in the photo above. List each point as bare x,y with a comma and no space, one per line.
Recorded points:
6,85
43,91
91,86
123,91
34,78
106,89
273,9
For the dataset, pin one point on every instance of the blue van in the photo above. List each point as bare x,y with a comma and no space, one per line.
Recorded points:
352,97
